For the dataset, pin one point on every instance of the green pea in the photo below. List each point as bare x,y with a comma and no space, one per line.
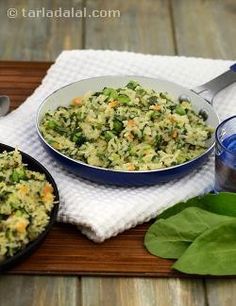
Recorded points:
51,124
124,99
110,92
180,110
108,135
17,175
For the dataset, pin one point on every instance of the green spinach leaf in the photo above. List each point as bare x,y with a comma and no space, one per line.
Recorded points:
169,238
212,253
223,203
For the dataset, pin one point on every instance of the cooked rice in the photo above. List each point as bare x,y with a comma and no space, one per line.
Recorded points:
131,128
26,200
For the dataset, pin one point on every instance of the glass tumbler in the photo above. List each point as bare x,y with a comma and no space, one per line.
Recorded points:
225,156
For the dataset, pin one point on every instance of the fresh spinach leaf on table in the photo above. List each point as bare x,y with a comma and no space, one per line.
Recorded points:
200,233
211,253
169,238
223,203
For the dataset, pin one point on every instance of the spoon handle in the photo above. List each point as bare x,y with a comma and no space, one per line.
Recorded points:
4,105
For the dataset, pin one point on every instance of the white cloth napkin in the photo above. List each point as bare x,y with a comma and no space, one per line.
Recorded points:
104,211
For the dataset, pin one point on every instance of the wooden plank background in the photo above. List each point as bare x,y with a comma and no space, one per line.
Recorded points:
204,28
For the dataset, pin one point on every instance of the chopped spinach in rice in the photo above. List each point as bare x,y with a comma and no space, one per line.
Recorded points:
26,199
130,128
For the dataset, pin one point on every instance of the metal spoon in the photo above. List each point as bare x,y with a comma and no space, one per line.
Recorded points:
4,105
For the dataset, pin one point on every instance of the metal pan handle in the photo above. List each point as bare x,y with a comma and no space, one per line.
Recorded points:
211,88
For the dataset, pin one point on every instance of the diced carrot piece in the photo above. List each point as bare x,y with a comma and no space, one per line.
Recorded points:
113,104
131,123
174,134
157,107
21,226
47,189
24,189
172,118
131,167
77,101
130,136
47,198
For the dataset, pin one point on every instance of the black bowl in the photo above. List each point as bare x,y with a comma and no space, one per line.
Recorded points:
34,165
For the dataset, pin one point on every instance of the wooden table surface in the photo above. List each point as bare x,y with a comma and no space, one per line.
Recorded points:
204,28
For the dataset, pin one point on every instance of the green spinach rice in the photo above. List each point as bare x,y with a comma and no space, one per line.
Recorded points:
130,128
26,199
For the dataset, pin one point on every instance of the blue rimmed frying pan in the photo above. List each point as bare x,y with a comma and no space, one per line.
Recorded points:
201,99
